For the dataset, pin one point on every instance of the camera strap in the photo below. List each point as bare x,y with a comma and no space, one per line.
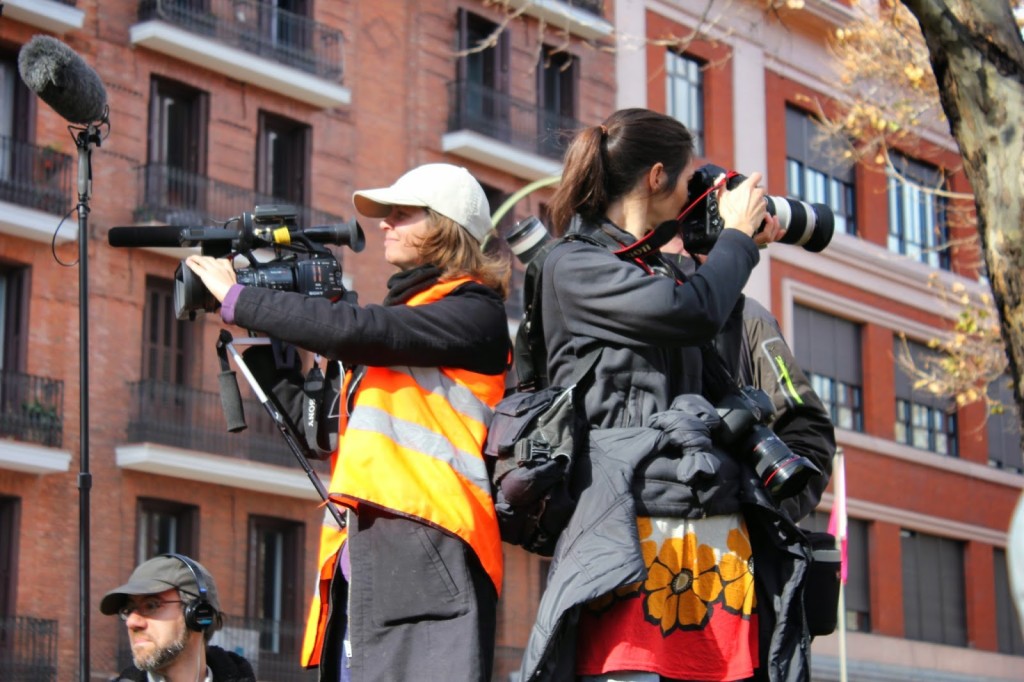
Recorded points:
663,233
321,403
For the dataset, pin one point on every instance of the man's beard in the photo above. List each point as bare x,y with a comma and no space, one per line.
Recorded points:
164,656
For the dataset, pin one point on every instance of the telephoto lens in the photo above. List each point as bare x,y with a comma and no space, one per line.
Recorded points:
808,225
527,238
744,414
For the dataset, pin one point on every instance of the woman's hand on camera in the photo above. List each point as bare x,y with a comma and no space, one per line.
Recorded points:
743,208
772,232
217,274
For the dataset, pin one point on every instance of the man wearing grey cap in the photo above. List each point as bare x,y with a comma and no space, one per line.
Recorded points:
171,609
408,590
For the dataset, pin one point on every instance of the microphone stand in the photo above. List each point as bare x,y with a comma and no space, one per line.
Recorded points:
84,140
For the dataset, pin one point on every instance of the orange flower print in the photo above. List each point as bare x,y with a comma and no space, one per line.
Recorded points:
681,585
737,569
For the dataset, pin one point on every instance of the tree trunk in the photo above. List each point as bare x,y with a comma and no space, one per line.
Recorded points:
978,58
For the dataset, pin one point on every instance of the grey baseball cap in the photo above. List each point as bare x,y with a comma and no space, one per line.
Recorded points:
160,574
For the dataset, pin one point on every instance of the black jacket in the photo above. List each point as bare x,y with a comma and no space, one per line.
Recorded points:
600,549
467,329
649,327
226,666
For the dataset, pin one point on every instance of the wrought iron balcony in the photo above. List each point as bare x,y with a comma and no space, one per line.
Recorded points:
184,417
28,649
31,409
271,647
258,27
36,177
524,125
177,197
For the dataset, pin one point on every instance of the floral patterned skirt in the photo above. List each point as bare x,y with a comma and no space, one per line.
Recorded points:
693,618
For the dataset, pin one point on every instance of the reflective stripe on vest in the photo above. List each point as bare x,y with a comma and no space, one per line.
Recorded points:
413,445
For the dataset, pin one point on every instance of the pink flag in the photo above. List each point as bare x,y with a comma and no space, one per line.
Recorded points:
837,519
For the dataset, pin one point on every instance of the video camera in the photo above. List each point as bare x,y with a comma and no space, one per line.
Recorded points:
301,263
807,225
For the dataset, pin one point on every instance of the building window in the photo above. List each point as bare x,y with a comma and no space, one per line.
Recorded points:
481,98
933,589
167,341
558,76
923,420
816,171
285,23
829,351
684,94
1004,430
1008,629
276,561
19,158
13,317
857,594
178,118
283,152
165,526
10,510
917,217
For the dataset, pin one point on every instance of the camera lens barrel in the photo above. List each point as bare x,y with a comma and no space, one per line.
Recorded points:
783,472
808,225
527,238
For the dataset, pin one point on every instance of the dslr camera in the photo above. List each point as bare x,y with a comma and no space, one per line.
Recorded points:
301,262
746,413
807,225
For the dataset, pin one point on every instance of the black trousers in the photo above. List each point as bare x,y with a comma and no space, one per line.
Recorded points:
420,605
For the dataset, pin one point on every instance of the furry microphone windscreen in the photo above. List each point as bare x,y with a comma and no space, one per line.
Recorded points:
63,80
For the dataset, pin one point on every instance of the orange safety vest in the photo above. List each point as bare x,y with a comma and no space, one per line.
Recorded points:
407,425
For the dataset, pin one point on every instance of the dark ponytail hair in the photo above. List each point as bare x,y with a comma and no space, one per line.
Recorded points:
604,162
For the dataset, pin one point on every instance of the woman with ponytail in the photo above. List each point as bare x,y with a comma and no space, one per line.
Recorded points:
666,591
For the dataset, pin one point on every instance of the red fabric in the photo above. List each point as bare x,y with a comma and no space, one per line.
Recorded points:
692,618
622,639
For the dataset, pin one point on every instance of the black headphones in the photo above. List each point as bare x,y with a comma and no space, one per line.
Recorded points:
200,614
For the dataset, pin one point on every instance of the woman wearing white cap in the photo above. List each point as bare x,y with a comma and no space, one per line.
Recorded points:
421,556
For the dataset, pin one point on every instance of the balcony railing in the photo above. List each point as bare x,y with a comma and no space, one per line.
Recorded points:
32,409
259,28
28,649
176,197
188,418
271,647
484,110
35,177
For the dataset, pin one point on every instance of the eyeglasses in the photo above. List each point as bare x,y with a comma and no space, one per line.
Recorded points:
146,608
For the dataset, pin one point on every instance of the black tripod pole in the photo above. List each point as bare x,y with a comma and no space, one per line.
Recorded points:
86,138
297,448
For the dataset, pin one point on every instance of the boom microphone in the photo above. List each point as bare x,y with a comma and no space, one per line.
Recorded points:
63,80
156,235
166,235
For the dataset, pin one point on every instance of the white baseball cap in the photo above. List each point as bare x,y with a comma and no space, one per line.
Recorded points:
449,190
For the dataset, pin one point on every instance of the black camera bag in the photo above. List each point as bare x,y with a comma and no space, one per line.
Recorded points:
531,448
534,432
822,584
